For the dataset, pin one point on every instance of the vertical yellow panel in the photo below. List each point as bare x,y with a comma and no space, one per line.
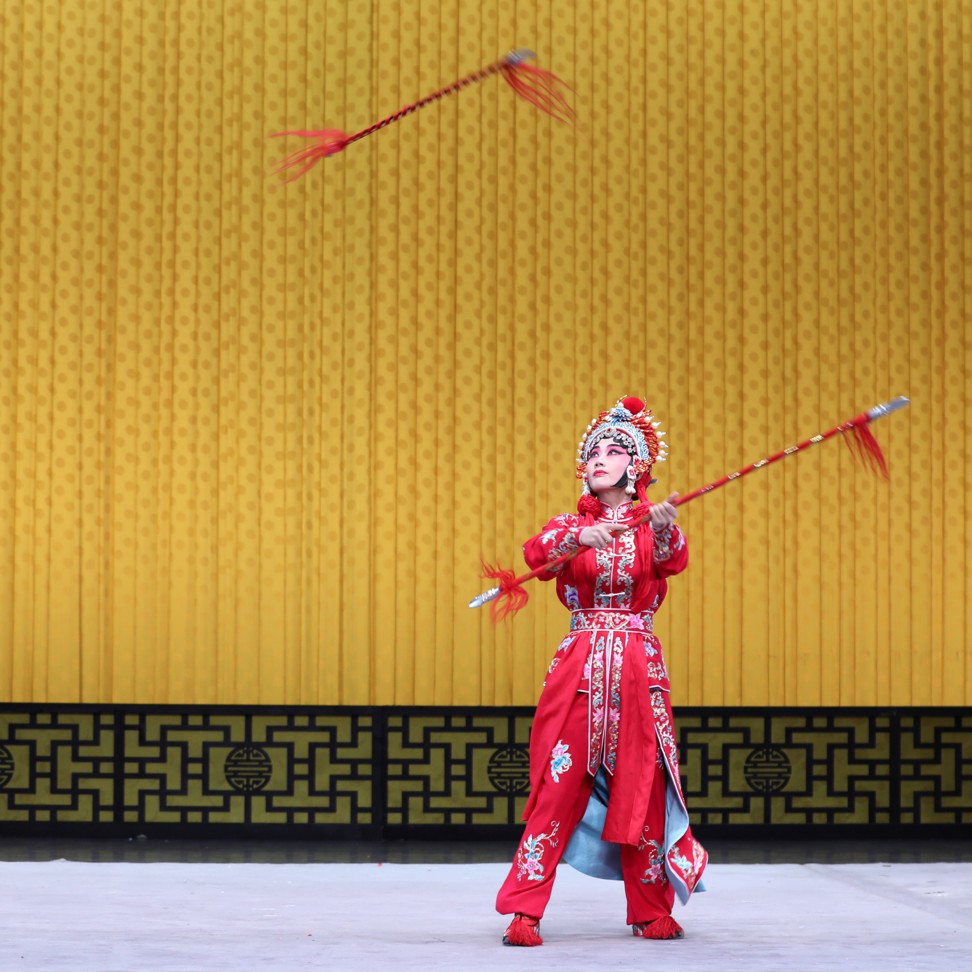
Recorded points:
384,386
682,420
933,307
56,458
881,333
859,589
136,261
956,74
12,371
748,512
919,570
784,327
776,315
803,370
19,350
901,649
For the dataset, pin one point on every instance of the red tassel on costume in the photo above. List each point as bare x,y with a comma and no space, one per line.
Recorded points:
661,929
523,930
589,504
512,596
865,447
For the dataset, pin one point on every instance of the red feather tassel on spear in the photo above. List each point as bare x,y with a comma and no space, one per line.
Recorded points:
541,88
509,596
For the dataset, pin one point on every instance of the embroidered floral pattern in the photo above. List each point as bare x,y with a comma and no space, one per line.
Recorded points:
596,665
667,541
678,860
608,619
529,856
566,543
614,705
657,675
662,549
561,760
699,859
625,563
655,865
571,597
687,859
614,587
663,726
657,672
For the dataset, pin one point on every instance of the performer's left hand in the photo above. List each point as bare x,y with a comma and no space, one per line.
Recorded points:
663,514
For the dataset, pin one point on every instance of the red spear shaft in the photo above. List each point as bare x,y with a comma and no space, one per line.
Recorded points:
510,596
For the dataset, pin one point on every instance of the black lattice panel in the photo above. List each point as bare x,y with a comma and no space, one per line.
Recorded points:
457,769
57,767
787,768
935,765
115,767
253,769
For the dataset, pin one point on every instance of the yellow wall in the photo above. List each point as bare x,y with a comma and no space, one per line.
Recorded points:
254,439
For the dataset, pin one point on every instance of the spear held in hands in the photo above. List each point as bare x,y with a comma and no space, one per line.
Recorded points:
509,596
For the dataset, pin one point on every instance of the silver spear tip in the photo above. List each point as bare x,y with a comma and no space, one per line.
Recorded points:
886,408
485,597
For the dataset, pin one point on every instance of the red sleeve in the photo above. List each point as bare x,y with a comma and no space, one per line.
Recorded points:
558,537
669,551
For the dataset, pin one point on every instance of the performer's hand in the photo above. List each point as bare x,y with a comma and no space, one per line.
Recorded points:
663,514
600,535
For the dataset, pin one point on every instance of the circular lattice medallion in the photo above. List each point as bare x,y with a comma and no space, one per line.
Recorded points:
6,766
767,769
248,769
509,770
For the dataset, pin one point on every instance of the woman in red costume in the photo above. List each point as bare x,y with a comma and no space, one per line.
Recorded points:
605,790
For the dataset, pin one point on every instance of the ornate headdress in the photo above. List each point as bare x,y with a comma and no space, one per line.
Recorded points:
633,425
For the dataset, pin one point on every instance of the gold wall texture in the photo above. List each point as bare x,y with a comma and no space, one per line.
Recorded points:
254,438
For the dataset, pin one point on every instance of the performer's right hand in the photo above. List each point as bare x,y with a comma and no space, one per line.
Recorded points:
599,535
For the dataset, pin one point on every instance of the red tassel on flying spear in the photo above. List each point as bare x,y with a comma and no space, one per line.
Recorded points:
541,88
509,596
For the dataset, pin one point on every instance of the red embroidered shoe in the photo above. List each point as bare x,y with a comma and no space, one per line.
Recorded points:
660,928
523,930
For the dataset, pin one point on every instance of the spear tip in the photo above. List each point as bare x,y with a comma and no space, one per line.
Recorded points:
485,597
886,408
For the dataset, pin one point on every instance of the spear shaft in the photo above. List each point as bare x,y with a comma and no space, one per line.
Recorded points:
862,443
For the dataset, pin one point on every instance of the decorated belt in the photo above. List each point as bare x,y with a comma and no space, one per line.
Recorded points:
610,619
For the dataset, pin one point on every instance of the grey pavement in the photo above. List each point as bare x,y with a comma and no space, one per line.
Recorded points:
195,916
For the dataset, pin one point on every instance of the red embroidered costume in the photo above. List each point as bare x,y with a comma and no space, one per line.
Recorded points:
604,714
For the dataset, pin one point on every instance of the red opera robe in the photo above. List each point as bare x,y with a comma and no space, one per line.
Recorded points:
613,659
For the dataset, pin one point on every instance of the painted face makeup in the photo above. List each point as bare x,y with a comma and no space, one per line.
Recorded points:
607,465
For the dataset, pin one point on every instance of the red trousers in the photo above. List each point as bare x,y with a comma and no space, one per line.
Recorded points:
561,804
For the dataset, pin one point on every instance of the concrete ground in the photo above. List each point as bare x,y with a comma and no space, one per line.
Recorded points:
194,915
